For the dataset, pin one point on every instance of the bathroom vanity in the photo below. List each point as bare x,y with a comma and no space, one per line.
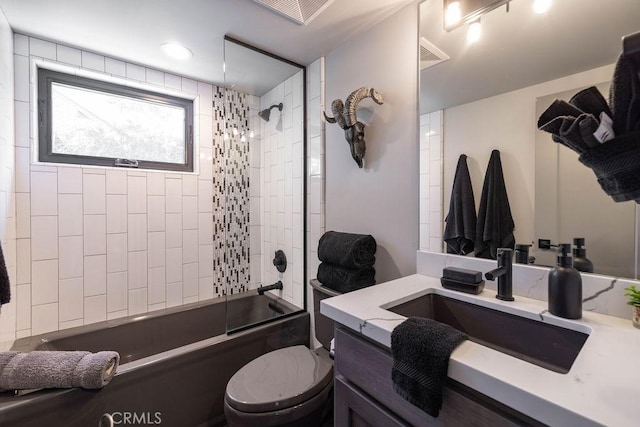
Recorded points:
593,384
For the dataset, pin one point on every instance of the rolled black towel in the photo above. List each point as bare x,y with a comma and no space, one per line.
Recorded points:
421,349
345,279
57,369
347,249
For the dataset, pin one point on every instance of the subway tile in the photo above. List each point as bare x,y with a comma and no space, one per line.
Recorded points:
190,280
157,286
95,234
205,196
20,44
116,181
137,269
172,81
117,291
70,324
189,246
22,124
137,194
205,262
94,194
189,86
44,285
137,232
174,294
71,299
156,214
69,55
116,252
156,252
155,184
205,92
189,185
137,301
117,217
173,264
189,212
154,77
44,237
44,193
117,314
206,165
174,231
115,67
205,228
93,61
70,214
42,48
23,174
95,275
21,78
23,307
23,261
23,215
190,300
71,259
174,195
44,318
69,180
95,309
135,72
156,307
205,288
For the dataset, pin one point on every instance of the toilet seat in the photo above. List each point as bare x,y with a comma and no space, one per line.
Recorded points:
280,379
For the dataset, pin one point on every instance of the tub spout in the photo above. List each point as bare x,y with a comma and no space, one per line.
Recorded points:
504,274
263,289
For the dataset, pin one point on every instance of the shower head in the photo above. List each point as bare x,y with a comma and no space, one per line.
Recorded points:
264,114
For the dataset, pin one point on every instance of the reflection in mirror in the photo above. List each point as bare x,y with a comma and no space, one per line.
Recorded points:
260,163
485,95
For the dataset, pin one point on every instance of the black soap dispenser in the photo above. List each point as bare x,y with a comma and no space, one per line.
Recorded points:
565,286
580,260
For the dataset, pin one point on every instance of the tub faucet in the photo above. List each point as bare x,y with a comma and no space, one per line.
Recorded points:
504,274
263,289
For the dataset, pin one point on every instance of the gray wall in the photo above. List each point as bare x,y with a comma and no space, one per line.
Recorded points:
382,199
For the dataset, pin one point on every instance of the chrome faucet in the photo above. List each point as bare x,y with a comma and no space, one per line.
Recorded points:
504,274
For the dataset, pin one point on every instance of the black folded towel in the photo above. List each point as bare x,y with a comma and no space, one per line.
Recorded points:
343,279
347,249
591,101
5,288
460,231
421,349
495,223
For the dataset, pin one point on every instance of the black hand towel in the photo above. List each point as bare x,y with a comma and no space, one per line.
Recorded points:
591,101
5,289
495,223
460,231
343,279
347,249
421,349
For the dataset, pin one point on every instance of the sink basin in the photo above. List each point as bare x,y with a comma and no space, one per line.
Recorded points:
549,346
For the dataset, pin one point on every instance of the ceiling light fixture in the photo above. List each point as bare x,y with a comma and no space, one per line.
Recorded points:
474,32
176,51
453,14
541,6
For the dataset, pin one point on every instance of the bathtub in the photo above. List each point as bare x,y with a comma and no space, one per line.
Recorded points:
175,364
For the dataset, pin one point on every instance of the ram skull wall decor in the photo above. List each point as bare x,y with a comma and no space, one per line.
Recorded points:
347,120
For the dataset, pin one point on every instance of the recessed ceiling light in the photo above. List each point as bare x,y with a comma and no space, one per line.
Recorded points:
176,51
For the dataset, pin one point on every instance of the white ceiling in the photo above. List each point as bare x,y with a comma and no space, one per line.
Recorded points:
133,30
519,48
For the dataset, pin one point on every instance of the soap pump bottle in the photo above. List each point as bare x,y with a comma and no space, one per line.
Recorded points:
580,260
565,286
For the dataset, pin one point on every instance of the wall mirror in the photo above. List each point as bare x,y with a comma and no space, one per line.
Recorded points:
259,160
488,95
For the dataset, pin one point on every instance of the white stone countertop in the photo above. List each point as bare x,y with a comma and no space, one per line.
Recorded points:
602,387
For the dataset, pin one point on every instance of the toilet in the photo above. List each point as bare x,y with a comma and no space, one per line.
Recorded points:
292,386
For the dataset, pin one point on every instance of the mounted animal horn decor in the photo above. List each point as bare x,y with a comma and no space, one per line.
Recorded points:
347,120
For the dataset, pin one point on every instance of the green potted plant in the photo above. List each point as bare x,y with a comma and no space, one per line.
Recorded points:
634,301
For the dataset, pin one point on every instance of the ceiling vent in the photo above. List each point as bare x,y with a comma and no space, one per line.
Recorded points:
430,55
300,11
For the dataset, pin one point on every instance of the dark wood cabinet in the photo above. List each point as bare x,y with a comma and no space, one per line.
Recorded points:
364,395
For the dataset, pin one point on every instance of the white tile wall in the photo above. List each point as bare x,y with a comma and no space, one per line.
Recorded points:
98,243
431,208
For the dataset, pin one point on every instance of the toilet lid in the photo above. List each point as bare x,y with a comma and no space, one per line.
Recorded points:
279,379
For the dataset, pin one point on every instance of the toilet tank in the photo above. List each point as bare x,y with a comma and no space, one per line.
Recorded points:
323,325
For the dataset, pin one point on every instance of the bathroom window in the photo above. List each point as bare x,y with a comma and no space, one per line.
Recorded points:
93,122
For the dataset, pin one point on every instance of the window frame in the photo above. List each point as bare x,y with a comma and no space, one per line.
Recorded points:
44,115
